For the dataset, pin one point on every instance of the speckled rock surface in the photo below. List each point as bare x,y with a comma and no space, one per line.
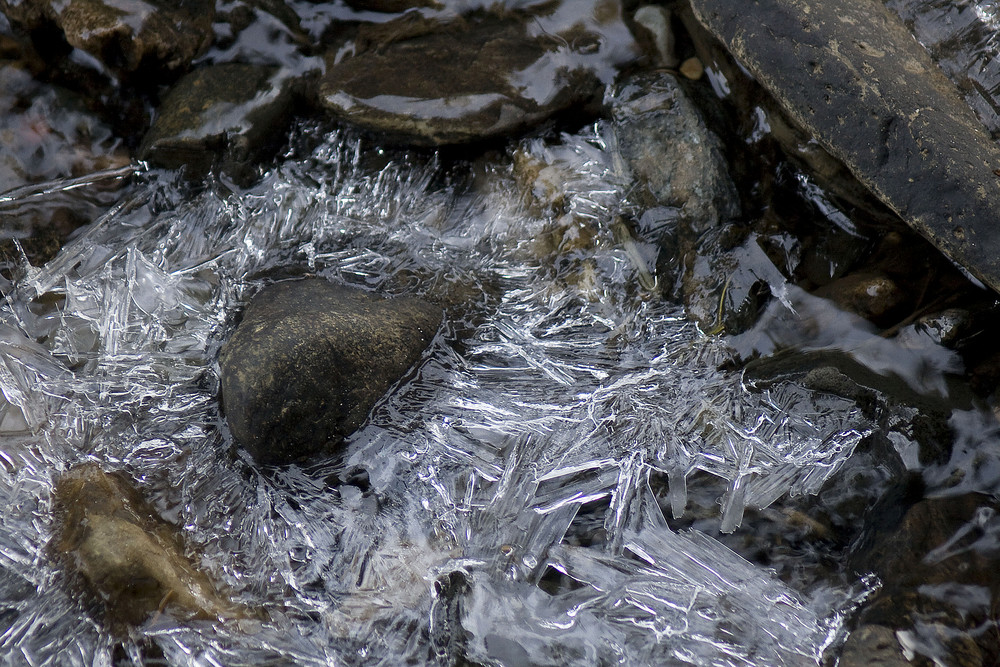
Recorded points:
671,151
126,556
853,76
310,359
126,34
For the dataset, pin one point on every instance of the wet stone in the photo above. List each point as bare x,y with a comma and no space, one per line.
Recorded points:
653,33
727,280
852,75
692,68
872,645
938,567
671,152
870,294
310,359
46,133
124,554
124,36
391,6
233,114
948,327
476,77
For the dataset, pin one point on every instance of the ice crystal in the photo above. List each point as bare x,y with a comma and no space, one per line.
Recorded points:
561,382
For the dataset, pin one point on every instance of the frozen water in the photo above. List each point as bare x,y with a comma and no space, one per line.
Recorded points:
560,391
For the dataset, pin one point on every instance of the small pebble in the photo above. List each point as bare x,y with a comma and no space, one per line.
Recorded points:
692,68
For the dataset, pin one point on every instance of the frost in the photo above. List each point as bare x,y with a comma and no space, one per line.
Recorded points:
560,385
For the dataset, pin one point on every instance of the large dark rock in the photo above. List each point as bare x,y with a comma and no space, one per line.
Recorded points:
125,34
129,559
432,83
232,113
310,359
851,74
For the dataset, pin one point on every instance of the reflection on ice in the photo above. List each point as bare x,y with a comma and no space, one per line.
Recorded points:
439,532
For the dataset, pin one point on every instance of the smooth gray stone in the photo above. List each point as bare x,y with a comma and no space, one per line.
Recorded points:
850,73
310,359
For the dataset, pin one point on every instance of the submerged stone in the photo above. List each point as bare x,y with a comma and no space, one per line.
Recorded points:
872,646
937,563
232,113
125,555
671,152
124,35
391,6
870,294
653,33
726,280
474,77
46,133
852,75
310,359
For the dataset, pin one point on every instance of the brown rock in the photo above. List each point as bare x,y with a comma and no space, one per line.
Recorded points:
472,78
125,555
872,295
126,34
231,114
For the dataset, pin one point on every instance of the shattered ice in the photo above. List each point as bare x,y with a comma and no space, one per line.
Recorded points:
562,383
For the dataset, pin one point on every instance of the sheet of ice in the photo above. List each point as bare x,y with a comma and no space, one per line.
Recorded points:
560,384
961,35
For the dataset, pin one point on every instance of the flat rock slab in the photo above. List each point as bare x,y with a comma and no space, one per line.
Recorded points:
431,82
310,359
850,73
125,554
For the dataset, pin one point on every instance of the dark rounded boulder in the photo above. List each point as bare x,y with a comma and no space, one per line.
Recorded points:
310,358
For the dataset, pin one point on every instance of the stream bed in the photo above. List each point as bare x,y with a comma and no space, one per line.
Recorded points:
575,473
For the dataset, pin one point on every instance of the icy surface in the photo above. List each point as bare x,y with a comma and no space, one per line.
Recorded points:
962,35
561,390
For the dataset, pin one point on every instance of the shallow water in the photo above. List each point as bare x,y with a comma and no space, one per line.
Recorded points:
560,383
571,475
963,38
